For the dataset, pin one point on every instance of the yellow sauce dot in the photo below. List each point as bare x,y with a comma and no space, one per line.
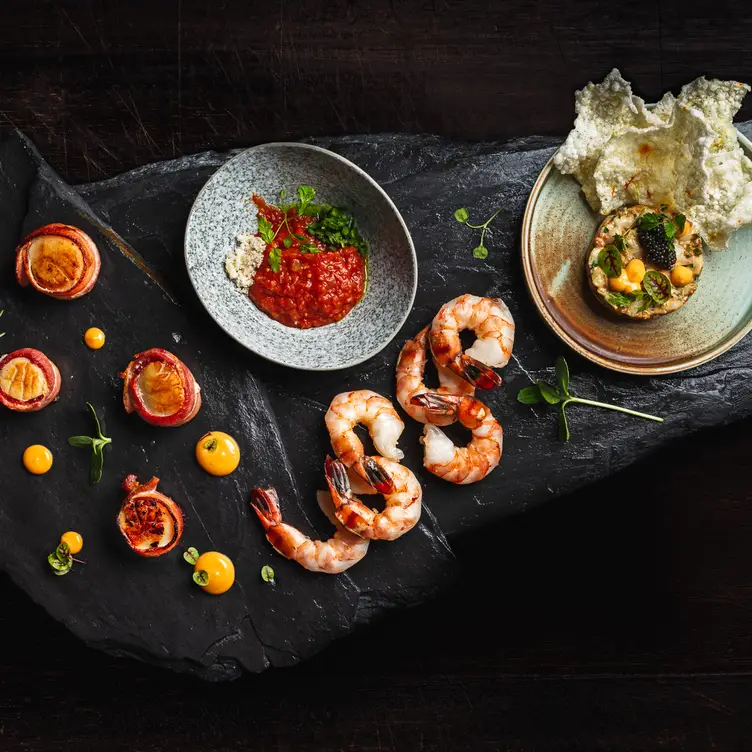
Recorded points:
94,338
37,459
219,568
681,275
74,540
217,453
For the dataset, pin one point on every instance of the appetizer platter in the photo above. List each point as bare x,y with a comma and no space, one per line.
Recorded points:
179,495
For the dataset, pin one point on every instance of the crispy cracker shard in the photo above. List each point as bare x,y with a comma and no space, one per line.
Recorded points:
683,153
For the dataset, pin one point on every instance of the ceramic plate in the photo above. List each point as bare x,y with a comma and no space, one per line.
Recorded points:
557,232
221,213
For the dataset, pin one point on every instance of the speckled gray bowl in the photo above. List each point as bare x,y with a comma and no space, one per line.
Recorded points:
221,213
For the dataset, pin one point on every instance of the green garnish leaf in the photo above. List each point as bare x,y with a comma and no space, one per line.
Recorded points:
461,215
609,260
287,242
549,393
275,258
210,445
191,555
80,442
480,252
63,552
265,230
201,577
620,299
680,221
657,286
620,243
309,248
306,194
649,221
670,229
97,444
267,574
562,375
282,195
530,395
563,397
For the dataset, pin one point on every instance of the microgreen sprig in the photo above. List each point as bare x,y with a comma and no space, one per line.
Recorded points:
201,577
462,216
61,560
267,574
97,444
560,395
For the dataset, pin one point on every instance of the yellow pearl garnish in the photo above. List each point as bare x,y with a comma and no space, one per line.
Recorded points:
94,338
37,459
219,568
218,453
74,540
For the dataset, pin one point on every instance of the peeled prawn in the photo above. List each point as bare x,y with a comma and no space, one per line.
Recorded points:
384,424
411,365
403,505
493,325
340,552
460,464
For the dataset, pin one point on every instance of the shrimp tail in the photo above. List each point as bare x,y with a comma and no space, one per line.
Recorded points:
265,503
376,476
438,404
351,513
477,373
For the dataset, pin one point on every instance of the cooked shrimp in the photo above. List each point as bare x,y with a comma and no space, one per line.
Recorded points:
378,415
460,464
493,325
411,365
403,505
340,552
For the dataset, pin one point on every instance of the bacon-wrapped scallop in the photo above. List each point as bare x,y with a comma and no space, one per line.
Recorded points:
58,260
150,522
160,388
29,380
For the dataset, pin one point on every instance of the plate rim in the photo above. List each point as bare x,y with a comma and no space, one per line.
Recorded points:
411,245
562,334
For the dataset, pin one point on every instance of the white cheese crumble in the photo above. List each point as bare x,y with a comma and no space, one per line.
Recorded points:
243,261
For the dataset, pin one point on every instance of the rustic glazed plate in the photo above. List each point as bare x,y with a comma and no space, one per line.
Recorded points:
557,232
221,213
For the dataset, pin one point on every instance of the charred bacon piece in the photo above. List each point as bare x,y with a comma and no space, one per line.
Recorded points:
150,522
160,388
29,380
58,260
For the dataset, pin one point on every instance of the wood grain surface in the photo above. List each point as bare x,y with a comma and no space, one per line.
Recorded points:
618,618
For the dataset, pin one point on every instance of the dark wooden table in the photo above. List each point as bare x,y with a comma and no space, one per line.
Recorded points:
616,618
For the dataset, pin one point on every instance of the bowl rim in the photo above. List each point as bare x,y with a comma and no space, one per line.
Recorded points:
638,370
362,173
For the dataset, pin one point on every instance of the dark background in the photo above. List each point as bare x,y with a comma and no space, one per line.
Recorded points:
617,618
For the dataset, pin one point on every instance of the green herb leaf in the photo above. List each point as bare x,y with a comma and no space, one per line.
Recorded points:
267,573
301,238
480,252
58,566
530,395
97,465
670,229
275,258
80,442
191,555
265,230
287,242
461,215
563,424
562,375
649,221
63,552
657,286
620,243
306,194
309,248
201,577
549,392
620,299
680,221
282,195
609,260
96,420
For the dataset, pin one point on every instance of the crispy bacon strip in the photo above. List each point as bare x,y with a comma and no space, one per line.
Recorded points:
150,522
160,388
58,260
29,380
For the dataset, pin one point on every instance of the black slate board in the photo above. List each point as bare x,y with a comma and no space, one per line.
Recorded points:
149,608
428,178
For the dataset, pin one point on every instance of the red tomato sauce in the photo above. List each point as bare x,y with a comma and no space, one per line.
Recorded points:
310,289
